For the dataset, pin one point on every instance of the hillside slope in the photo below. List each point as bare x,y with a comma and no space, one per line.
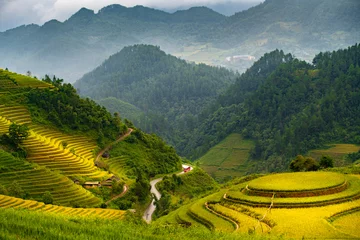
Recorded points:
170,91
64,135
294,108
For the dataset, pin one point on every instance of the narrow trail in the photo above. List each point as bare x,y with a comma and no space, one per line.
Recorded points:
222,216
267,211
122,137
126,188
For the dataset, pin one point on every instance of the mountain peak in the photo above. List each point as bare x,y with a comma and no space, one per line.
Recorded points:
198,14
114,8
84,15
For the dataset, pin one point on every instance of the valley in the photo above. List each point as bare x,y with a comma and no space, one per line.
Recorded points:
131,122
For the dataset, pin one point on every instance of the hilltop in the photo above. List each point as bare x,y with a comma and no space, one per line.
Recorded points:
79,44
169,92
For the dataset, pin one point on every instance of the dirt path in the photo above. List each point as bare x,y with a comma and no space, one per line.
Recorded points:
126,188
122,137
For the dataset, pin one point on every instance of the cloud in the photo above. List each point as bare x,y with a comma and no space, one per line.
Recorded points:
17,12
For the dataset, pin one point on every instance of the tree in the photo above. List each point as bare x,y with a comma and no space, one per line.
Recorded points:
17,133
326,162
3,190
16,190
302,164
47,198
28,73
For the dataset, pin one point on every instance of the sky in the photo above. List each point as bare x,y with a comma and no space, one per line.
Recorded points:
14,13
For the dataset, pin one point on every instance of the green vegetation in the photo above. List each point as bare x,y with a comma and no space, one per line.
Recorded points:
287,107
301,164
21,224
197,34
67,111
125,109
169,91
178,190
339,152
228,158
62,162
146,154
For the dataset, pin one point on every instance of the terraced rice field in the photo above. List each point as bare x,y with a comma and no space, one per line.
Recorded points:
8,82
330,212
45,146
228,158
337,152
36,181
117,165
11,202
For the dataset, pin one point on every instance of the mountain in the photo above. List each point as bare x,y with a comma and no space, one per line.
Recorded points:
169,91
198,34
290,108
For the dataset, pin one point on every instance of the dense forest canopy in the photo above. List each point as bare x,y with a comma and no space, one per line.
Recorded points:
170,92
293,108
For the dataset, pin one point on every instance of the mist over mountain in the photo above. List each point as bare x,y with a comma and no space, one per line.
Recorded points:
79,44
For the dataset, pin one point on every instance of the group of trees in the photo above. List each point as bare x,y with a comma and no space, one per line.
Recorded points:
13,139
304,164
64,108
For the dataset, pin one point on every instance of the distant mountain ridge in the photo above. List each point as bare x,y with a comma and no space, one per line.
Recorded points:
198,34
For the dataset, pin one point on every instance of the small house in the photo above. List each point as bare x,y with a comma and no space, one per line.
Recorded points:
92,184
186,168
76,181
108,182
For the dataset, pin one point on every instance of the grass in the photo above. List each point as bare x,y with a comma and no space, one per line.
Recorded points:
337,152
27,225
297,181
228,158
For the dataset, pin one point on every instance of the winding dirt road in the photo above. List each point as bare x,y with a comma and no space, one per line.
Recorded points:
151,208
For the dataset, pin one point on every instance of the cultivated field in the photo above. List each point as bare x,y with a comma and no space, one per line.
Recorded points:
325,205
228,158
337,152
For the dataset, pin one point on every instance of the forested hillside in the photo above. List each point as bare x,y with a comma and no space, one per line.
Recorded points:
170,92
58,139
79,44
293,108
